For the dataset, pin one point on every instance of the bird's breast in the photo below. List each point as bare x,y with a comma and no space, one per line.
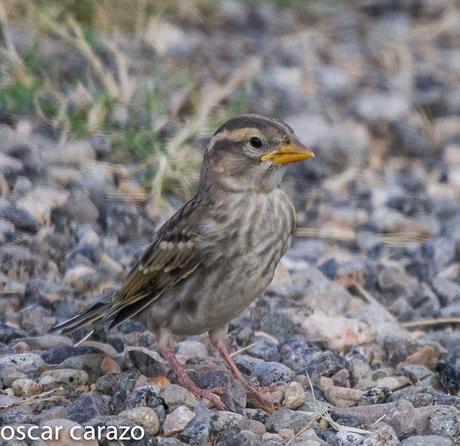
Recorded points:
246,237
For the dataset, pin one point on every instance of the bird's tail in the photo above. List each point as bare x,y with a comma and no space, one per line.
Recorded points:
89,315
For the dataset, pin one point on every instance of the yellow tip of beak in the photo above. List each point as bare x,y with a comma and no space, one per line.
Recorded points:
289,153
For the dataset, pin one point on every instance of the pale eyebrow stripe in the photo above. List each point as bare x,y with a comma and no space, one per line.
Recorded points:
236,135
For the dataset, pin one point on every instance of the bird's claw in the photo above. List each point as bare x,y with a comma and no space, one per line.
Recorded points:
211,395
254,393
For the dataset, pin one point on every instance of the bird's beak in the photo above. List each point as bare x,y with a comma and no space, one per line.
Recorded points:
292,152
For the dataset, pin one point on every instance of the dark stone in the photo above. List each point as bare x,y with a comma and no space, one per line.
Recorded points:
284,418
146,364
120,221
244,438
449,377
376,395
269,373
196,433
235,399
86,407
447,290
296,354
20,218
276,324
396,350
263,349
57,355
7,334
325,364
419,396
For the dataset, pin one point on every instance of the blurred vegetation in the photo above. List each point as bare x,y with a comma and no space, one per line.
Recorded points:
84,68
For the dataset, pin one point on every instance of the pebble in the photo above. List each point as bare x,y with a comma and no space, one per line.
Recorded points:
108,365
25,387
22,361
177,420
445,421
67,376
285,418
294,395
88,405
174,396
343,396
144,416
268,373
426,440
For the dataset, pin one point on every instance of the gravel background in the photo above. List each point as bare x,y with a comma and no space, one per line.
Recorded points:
374,87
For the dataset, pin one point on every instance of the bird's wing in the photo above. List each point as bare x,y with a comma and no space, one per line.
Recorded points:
174,254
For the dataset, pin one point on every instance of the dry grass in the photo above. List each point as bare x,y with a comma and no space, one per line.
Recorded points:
119,69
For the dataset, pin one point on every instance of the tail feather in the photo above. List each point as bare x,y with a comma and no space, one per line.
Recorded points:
89,315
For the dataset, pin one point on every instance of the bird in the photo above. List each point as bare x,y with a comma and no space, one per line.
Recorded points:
217,253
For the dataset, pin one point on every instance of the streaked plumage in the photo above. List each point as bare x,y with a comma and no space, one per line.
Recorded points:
219,251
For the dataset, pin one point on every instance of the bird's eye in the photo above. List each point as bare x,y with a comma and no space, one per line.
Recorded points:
255,142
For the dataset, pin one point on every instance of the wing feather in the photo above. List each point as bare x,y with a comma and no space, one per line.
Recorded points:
174,254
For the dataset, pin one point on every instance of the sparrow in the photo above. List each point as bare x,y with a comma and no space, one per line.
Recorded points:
218,253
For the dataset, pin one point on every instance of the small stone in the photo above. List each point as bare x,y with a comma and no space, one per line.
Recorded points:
108,365
8,374
190,349
235,397
342,378
264,349
144,416
245,438
67,376
294,395
82,277
277,325
426,440
269,373
20,218
19,263
174,396
400,415
284,418
81,208
75,153
447,290
41,201
177,420
25,387
87,406
445,421
384,107
148,362
254,426
349,438
47,342
383,436
343,396
22,361
325,364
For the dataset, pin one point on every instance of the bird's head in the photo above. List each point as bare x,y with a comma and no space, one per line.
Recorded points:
251,152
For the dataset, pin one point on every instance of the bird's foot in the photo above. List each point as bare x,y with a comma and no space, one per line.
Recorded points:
212,394
184,380
256,395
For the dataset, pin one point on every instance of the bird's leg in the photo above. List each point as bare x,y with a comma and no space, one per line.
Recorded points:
210,394
217,340
166,344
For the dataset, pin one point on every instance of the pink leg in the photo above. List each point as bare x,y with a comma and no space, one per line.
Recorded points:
216,337
185,381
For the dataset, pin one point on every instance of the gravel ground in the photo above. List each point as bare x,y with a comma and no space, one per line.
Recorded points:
347,327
